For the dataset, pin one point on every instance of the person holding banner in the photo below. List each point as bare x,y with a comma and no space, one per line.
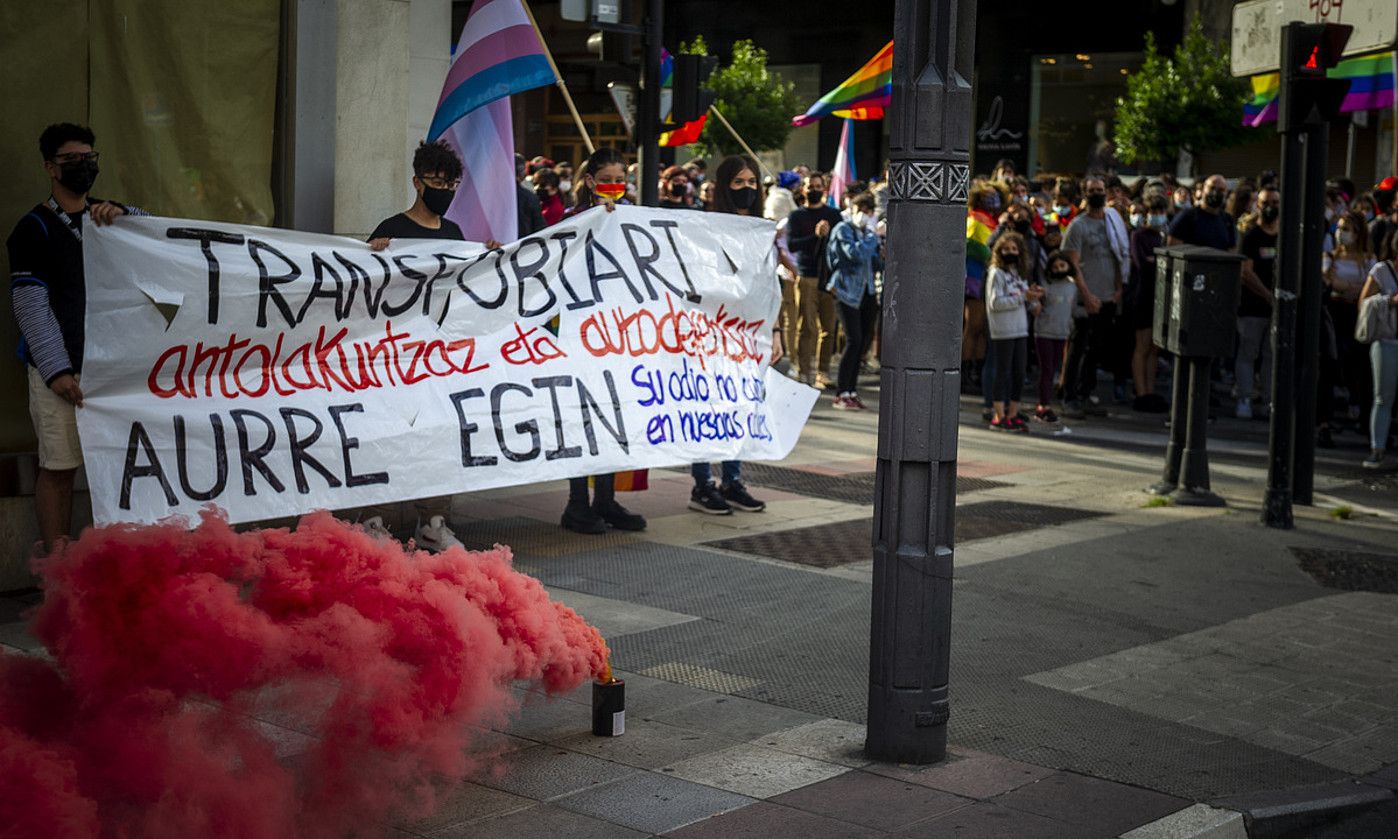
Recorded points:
601,183
738,191
436,175
48,292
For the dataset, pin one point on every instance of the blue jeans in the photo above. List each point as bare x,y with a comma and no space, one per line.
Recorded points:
703,472
1384,355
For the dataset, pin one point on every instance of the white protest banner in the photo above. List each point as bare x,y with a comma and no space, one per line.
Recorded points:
270,372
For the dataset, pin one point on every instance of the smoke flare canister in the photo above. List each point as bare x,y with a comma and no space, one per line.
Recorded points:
609,708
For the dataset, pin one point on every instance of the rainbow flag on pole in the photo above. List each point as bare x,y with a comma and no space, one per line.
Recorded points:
864,95
1371,85
678,135
499,54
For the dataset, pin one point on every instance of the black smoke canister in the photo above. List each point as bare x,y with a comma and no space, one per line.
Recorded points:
609,708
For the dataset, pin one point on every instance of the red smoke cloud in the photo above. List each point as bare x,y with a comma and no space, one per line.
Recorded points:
167,641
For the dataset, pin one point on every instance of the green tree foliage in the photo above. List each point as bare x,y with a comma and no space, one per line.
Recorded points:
1187,102
758,102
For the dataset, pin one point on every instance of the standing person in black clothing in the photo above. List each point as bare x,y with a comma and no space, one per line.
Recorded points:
1259,245
531,216
49,295
436,175
1206,224
807,230
1141,290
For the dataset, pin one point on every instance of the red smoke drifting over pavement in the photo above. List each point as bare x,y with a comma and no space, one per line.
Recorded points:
166,641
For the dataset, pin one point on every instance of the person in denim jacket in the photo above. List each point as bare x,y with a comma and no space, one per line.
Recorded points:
854,257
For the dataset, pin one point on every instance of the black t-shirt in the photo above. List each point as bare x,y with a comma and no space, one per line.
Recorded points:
402,227
800,235
1194,226
1261,247
45,251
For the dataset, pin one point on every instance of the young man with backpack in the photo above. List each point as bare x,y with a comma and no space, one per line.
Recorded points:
807,230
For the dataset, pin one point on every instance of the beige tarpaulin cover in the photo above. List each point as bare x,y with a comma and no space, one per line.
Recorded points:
182,96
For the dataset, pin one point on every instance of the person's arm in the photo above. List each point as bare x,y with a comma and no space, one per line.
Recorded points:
1090,301
795,242
999,296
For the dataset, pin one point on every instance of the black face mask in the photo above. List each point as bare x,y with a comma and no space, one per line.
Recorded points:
437,200
78,176
1270,214
744,198
813,196
1060,275
679,190
1097,200
1214,198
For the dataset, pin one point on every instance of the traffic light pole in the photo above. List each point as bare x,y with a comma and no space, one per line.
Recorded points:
648,106
915,485
1276,501
1312,298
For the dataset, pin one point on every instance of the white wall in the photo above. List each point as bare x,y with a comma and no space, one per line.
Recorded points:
371,112
429,56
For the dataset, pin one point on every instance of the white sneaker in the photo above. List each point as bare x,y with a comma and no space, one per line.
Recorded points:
374,527
436,537
1244,410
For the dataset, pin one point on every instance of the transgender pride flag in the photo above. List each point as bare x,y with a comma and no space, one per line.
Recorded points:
499,53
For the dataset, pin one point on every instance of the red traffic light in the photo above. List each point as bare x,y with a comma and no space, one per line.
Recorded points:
1309,49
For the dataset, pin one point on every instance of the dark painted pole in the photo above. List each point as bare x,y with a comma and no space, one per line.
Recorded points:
1312,297
915,496
1276,501
648,106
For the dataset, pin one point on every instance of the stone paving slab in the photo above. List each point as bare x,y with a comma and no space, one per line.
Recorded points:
1092,804
653,803
542,821
545,772
765,820
754,771
872,801
967,773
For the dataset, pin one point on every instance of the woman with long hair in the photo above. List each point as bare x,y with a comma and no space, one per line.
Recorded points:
737,190
1345,270
601,182
1383,355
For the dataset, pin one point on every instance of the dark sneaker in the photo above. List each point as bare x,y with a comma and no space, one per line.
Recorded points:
618,516
1017,424
1323,438
1045,415
579,517
1374,460
737,496
999,424
707,499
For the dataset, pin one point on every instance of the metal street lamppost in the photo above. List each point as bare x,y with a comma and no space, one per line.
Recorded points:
915,497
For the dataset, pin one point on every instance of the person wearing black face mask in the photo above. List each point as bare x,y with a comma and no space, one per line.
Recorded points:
807,231
1259,245
436,175
674,189
1206,224
737,192
48,292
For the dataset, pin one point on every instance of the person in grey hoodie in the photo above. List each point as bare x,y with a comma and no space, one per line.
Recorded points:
1009,301
1053,326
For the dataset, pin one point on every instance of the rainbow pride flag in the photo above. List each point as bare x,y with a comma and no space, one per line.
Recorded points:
864,95
1371,85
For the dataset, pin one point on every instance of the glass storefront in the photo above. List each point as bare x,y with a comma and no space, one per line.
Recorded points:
1072,110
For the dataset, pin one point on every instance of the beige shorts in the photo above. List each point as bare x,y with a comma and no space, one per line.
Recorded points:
56,426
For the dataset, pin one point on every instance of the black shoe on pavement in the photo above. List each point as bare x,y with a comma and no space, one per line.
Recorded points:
579,517
736,494
618,516
707,499
1323,438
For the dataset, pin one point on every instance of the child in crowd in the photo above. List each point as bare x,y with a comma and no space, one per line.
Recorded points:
1009,301
1052,327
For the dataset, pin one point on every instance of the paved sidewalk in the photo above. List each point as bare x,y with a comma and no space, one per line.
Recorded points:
1113,662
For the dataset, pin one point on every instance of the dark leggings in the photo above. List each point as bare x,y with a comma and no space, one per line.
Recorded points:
602,488
858,324
1009,367
1050,353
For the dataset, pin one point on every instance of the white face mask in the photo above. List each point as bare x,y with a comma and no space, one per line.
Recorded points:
858,219
565,185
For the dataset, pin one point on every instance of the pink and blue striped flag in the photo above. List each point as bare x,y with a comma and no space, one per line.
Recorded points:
499,54
843,174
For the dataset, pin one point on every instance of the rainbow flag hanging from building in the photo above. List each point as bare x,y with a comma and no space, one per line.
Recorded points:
1371,86
864,95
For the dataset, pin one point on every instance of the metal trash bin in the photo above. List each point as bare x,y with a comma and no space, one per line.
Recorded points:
1198,307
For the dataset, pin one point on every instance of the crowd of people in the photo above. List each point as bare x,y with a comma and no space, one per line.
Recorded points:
1060,279
1072,263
